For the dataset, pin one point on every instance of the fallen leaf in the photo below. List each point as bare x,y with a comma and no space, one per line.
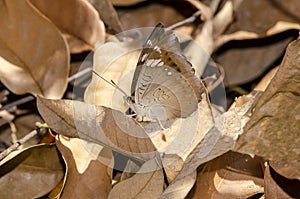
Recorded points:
32,173
290,171
146,184
277,186
87,176
32,60
185,133
266,50
98,124
77,19
125,2
273,130
172,165
150,13
231,175
108,13
114,61
282,26
249,19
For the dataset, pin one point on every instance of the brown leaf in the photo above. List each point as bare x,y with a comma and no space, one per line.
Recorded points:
76,18
150,13
97,124
32,173
290,171
141,185
125,2
273,130
277,186
252,19
250,15
231,175
172,165
32,60
87,177
108,13
217,141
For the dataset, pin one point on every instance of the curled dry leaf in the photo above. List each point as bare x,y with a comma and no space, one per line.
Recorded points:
87,177
141,185
231,175
32,60
277,186
97,124
273,131
251,24
32,173
78,19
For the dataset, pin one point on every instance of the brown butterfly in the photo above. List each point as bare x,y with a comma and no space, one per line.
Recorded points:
164,85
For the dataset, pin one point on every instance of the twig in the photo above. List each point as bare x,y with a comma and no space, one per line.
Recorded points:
191,19
24,139
13,147
30,98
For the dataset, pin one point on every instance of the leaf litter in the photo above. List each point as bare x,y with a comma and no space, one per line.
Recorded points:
195,157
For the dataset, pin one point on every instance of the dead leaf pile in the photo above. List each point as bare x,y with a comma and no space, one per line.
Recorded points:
92,149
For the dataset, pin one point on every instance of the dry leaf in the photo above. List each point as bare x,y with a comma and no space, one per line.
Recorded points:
239,35
273,131
142,185
217,141
277,186
251,17
108,13
185,133
172,165
32,60
282,26
150,13
32,173
86,176
265,81
76,18
97,124
125,2
254,24
231,175
290,171
114,61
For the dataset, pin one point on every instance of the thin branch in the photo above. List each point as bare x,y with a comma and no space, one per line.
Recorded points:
189,20
13,147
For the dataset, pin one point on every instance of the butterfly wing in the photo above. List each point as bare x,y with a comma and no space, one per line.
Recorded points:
164,45
163,93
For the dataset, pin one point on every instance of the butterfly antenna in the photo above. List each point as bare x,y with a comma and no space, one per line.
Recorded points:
112,83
